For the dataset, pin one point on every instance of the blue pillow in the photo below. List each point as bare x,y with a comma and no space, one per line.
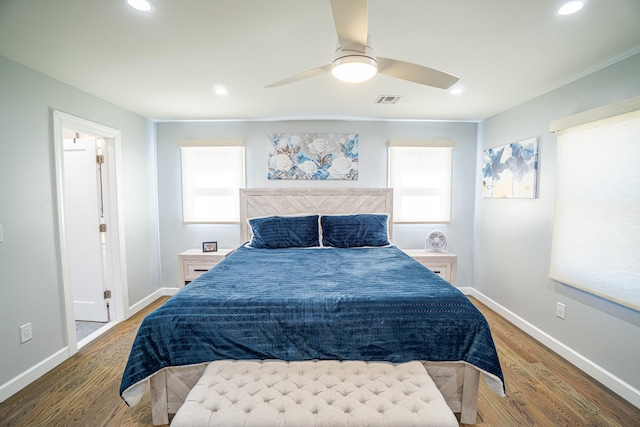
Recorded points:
348,231
276,232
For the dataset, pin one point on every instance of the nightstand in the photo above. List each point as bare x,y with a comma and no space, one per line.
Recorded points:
444,264
193,263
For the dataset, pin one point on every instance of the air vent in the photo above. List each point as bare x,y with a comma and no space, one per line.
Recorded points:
387,99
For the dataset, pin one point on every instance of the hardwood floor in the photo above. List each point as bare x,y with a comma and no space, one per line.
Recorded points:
542,388
84,390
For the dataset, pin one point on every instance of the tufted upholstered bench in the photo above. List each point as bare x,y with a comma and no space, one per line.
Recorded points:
314,393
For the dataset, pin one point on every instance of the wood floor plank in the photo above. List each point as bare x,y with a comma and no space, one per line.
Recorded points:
84,390
542,388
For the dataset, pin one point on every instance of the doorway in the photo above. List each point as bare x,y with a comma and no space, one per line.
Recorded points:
90,238
86,243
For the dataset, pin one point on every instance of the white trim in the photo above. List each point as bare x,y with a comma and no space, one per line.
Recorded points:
115,238
58,136
169,291
19,382
149,299
86,340
145,302
438,143
228,142
604,112
606,378
467,290
118,253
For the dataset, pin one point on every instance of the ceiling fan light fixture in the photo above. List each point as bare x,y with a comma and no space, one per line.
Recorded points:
571,7
354,69
456,90
220,90
141,5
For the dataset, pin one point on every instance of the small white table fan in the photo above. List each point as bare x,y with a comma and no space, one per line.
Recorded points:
436,241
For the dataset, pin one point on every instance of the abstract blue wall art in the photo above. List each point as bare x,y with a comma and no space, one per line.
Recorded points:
511,171
320,156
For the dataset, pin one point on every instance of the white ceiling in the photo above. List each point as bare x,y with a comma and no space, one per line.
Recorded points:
163,65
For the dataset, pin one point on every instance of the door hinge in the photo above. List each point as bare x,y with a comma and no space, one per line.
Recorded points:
99,159
107,294
103,228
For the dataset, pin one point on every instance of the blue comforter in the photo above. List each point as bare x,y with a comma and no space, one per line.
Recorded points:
319,303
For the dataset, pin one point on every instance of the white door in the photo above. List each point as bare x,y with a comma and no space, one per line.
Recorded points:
85,244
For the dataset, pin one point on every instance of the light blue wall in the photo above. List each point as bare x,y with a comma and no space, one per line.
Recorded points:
513,237
374,136
30,286
503,250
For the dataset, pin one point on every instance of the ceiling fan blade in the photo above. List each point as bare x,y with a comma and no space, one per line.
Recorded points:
415,73
351,18
304,75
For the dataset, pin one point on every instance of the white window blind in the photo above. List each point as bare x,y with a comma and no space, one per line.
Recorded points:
212,174
596,226
420,175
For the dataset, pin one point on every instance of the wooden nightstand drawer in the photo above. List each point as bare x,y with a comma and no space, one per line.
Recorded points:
441,269
192,270
444,264
194,263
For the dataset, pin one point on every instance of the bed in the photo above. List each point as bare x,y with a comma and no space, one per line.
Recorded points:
285,296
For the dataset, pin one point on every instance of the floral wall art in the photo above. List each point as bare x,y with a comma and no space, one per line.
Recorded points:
511,170
320,156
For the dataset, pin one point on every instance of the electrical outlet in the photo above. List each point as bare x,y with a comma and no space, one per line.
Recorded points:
26,332
560,310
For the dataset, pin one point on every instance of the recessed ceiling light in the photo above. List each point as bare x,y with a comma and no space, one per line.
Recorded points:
571,7
141,5
457,90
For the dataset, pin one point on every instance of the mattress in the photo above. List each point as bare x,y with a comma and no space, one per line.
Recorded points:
371,304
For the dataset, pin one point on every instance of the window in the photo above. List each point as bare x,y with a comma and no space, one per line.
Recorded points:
212,174
420,175
596,221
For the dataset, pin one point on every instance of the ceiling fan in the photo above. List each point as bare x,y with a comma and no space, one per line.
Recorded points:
354,59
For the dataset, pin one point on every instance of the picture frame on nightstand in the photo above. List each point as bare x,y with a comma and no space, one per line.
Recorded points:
209,246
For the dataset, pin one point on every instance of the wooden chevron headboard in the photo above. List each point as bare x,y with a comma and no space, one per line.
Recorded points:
257,202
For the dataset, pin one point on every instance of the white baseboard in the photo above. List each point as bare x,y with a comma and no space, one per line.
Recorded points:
606,378
16,384
466,290
86,340
169,291
144,302
151,298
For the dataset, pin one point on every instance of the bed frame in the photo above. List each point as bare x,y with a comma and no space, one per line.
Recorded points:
457,381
